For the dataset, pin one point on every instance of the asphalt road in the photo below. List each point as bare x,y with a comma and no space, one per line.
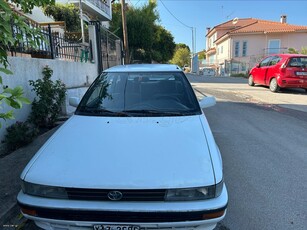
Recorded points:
264,151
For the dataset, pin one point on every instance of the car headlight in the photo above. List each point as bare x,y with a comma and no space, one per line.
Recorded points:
43,190
219,188
189,194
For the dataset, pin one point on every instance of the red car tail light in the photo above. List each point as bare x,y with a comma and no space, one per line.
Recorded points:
283,68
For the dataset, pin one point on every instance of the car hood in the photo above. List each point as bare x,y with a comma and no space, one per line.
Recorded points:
124,153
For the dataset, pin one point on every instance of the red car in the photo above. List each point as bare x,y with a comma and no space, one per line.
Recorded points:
280,71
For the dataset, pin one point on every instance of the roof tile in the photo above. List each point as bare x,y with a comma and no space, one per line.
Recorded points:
250,25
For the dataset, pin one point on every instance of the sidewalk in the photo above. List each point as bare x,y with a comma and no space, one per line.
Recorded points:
11,167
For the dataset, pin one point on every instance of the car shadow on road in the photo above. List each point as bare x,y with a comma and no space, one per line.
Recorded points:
285,90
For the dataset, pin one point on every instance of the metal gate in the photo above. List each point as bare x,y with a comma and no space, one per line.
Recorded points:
109,47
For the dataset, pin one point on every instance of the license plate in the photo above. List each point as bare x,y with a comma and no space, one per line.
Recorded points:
301,73
115,227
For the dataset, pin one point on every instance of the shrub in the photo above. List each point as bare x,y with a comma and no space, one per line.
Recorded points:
245,75
51,95
19,134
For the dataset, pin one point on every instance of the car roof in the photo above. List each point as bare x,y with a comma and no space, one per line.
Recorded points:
289,55
145,68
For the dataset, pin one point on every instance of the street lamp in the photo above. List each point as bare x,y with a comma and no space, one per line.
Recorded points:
194,66
81,19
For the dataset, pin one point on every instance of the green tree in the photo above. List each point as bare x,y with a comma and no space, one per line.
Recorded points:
304,50
292,51
144,35
181,57
182,45
14,97
202,55
163,46
68,13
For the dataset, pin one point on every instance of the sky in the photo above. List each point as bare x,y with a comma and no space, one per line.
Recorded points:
178,16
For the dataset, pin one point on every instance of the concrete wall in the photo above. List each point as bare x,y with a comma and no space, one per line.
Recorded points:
221,56
76,76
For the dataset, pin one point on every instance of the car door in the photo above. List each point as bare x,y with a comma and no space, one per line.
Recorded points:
260,71
272,69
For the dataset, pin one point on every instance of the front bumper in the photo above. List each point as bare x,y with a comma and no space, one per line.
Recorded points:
72,214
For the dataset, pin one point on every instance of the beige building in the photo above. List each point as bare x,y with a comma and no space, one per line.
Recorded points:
237,45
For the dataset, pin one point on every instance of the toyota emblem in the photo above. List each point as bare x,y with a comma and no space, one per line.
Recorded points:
115,195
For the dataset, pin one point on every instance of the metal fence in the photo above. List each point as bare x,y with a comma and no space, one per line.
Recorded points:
52,44
55,43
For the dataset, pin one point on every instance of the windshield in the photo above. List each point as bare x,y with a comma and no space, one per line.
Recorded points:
139,94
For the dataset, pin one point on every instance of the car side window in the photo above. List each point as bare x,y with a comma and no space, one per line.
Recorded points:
275,60
265,62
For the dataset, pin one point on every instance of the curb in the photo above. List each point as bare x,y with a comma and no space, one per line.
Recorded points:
12,219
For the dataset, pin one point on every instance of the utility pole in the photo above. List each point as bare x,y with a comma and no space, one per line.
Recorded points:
126,48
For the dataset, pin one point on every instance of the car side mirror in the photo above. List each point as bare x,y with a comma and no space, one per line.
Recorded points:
207,102
74,101
258,66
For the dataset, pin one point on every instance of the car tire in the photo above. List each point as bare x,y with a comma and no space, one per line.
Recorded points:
274,87
305,89
251,80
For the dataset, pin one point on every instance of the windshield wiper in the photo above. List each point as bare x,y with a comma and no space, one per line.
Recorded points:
102,112
154,112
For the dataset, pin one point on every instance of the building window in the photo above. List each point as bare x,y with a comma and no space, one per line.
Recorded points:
237,49
244,49
221,49
274,46
218,50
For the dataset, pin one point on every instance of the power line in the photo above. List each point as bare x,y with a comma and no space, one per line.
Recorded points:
175,16
190,27
137,2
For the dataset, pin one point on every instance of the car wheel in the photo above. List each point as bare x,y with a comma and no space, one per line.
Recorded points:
305,89
274,86
251,80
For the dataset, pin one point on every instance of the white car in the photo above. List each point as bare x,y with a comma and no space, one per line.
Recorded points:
207,71
137,154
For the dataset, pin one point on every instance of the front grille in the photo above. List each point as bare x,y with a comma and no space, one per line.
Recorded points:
102,216
127,195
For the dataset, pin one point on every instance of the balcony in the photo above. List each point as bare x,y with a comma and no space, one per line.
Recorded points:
95,9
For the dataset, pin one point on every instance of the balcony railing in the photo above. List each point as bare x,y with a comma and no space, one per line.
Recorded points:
100,4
